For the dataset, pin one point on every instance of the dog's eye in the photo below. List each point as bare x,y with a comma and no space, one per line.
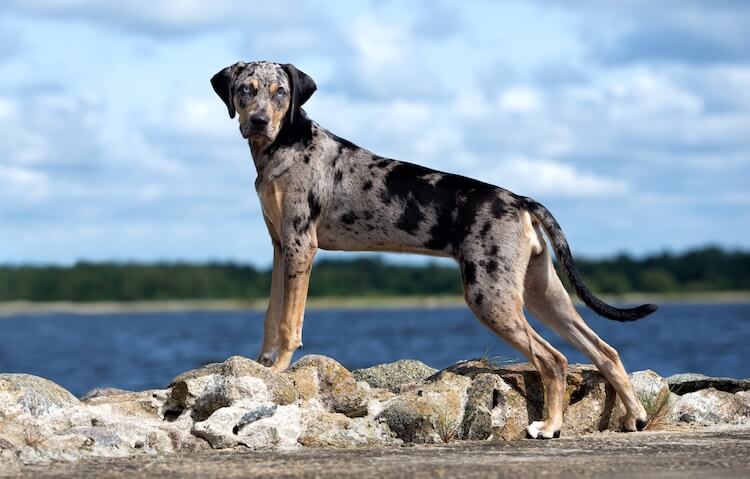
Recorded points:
280,93
245,89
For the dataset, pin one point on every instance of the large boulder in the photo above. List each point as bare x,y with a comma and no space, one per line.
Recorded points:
494,410
711,406
32,395
690,382
327,429
321,378
394,375
191,384
257,426
429,412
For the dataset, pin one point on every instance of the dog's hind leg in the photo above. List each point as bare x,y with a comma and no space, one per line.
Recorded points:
497,300
547,300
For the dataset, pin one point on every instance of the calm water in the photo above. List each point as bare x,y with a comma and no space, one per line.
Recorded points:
139,351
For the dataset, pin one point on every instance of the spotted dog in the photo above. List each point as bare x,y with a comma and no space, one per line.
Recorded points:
321,191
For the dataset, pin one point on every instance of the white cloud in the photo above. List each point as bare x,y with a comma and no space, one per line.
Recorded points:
146,141
539,176
23,182
166,15
519,99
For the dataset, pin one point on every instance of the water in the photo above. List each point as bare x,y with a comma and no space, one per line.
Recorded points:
140,351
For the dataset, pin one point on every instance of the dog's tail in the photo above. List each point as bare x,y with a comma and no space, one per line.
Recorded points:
565,258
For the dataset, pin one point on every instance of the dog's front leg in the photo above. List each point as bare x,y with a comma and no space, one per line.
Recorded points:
296,267
270,347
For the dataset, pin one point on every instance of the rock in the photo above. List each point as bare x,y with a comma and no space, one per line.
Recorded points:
326,429
687,383
318,403
103,392
711,406
488,403
33,395
590,403
322,378
430,410
223,391
281,388
393,375
260,427
654,394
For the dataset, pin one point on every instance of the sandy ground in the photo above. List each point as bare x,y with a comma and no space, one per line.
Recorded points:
706,454
13,308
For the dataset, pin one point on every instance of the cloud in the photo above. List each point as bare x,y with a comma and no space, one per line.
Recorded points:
551,178
691,32
165,17
520,99
143,152
25,183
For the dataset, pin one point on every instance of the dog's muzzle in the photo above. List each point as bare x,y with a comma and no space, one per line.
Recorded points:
255,126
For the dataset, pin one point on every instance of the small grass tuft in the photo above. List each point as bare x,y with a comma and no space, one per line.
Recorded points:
447,426
656,406
495,362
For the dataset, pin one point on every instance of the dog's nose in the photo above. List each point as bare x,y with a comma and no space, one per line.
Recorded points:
258,122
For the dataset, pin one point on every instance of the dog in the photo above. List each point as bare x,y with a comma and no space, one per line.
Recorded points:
318,190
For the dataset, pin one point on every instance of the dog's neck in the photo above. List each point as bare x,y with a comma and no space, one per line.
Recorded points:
268,164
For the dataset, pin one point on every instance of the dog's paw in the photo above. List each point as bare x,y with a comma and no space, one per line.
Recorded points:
633,424
266,359
539,430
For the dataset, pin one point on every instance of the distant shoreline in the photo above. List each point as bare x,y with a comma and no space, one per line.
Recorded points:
13,308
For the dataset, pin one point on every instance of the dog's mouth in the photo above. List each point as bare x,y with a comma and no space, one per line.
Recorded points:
250,132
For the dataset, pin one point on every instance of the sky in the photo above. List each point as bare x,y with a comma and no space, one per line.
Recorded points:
629,120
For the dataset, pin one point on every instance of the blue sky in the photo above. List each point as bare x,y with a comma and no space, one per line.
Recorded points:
629,120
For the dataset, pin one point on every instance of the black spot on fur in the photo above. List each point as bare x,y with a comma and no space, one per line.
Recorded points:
406,179
491,266
297,222
366,185
485,229
306,158
367,215
349,218
338,176
457,199
410,218
478,299
493,250
294,132
498,208
314,204
470,273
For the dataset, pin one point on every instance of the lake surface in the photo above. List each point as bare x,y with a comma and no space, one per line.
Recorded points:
146,350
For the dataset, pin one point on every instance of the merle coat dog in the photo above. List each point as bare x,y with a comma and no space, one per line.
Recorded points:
320,191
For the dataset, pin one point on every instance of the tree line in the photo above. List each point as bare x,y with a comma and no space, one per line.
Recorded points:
707,269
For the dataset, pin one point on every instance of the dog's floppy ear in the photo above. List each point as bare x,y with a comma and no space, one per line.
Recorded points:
222,84
302,87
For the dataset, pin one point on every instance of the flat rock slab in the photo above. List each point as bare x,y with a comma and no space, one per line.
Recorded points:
718,453
691,382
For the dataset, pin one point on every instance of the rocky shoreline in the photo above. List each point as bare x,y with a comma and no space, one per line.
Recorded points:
317,403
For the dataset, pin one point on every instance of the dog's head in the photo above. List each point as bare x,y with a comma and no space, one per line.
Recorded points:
266,95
